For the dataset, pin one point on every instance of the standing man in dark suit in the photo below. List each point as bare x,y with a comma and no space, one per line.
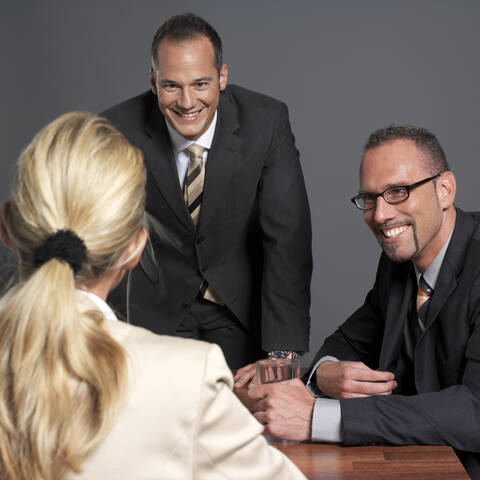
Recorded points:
226,204
405,367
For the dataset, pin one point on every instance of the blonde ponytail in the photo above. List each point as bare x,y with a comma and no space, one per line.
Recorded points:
62,376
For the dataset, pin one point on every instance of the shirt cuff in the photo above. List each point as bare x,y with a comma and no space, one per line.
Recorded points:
327,421
312,386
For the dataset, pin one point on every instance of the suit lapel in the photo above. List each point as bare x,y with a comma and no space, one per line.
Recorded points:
451,266
161,164
222,161
401,295
445,285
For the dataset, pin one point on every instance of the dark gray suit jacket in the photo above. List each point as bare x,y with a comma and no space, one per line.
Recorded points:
253,241
446,409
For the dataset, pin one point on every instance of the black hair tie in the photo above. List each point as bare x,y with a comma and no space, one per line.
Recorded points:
64,245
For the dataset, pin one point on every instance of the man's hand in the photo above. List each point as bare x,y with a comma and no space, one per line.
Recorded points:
353,379
284,408
244,375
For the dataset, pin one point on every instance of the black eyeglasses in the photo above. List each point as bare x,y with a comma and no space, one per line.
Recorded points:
392,195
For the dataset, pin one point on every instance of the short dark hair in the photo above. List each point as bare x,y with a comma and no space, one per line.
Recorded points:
187,26
436,161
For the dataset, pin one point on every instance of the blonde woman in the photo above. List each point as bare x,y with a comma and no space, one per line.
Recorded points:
82,394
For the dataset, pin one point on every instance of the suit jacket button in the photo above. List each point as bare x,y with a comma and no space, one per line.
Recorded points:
200,240
205,268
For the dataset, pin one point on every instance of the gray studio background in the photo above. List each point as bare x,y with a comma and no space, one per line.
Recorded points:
344,68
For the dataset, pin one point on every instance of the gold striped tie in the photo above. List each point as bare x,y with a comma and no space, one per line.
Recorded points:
193,192
193,188
424,293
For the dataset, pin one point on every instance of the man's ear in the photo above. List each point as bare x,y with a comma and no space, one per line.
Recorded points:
446,189
223,77
4,235
134,251
153,81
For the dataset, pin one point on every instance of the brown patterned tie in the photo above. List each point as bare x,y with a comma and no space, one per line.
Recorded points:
424,293
192,193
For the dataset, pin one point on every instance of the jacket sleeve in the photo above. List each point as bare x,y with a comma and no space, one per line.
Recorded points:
229,441
287,237
449,416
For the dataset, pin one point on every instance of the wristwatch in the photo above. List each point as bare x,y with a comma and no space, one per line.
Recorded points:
283,354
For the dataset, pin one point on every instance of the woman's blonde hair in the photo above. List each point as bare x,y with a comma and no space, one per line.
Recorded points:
62,376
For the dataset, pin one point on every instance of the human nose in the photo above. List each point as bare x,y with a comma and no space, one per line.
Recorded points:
187,99
383,210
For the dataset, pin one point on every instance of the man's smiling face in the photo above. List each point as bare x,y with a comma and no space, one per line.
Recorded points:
187,84
407,230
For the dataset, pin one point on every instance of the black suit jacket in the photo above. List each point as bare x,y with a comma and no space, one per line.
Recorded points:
253,241
446,409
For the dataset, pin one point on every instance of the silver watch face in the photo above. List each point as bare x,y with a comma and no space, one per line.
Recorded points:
282,354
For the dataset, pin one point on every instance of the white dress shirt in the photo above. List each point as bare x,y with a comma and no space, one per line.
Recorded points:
100,304
179,144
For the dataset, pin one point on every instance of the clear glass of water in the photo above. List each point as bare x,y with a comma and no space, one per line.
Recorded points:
277,370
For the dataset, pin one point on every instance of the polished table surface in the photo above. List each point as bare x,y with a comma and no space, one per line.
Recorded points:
333,462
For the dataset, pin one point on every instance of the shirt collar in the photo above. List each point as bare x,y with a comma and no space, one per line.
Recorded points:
431,273
180,143
100,304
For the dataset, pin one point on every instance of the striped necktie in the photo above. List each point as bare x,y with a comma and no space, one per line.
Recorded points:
193,187
424,293
192,193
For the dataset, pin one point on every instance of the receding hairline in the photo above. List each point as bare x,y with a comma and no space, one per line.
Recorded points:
426,158
434,156
184,41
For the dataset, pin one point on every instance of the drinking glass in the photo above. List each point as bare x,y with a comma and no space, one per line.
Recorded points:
277,370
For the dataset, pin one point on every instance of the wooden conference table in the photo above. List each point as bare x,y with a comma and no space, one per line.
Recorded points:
332,462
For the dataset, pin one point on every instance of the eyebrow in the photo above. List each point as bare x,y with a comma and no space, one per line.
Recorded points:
164,81
202,79
389,185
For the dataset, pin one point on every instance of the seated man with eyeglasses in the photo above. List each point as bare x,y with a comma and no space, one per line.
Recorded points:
405,367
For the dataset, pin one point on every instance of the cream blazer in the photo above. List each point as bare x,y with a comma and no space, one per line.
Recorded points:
180,419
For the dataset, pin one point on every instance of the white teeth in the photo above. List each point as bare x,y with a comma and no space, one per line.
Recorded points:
189,115
394,232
